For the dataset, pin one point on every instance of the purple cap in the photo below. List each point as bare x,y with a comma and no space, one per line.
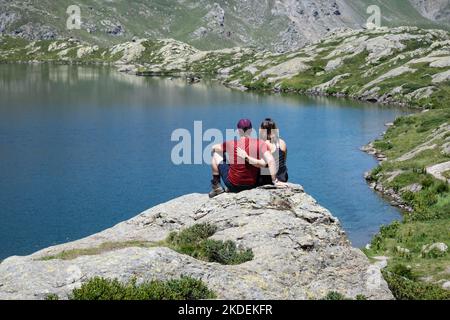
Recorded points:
244,124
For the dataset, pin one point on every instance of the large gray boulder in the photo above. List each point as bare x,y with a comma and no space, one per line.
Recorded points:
300,251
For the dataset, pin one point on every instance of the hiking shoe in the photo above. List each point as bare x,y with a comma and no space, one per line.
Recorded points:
216,189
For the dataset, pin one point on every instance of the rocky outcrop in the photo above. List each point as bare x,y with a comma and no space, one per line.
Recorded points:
278,25
436,10
300,251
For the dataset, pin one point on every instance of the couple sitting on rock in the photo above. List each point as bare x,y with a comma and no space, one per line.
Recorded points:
251,162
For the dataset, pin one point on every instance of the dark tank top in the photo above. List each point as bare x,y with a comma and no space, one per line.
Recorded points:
282,174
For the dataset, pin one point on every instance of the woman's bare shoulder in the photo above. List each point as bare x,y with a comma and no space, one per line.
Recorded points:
283,145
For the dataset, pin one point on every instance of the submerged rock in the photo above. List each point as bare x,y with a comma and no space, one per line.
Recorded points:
300,251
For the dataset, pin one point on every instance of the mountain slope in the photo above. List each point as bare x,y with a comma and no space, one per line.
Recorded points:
270,24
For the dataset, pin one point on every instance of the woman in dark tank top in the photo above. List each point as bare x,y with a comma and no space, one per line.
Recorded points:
270,133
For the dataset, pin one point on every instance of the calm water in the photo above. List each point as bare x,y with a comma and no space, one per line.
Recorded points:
82,149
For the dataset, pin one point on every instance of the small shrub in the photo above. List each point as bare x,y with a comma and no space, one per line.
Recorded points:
105,289
390,230
52,297
403,271
382,145
427,181
194,241
333,295
424,200
440,187
190,240
406,289
377,242
226,252
408,196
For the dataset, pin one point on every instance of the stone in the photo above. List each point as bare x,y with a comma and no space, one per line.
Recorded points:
414,188
321,88
446,285
438,170
441,77
390,74
286,70
446,149
334,64
300,251
439,246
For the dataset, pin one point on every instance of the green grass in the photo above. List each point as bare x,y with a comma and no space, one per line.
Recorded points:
104,247
413,235
185,288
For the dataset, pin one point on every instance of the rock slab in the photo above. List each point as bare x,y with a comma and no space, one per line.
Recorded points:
300,251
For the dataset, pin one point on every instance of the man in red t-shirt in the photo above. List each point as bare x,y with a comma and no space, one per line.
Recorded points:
239,173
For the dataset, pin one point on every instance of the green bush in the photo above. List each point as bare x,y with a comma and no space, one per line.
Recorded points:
194,241
424,200
333,295
440,187
225,252
190,240
377,242
403,271
427,181
390,230
105,289
406,289
408,196
382,145
52,296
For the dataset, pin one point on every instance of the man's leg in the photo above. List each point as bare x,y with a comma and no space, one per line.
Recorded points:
216,187
216,160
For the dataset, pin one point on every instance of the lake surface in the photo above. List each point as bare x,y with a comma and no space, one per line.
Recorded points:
83,148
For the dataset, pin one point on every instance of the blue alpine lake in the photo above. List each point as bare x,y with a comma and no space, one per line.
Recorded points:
83,148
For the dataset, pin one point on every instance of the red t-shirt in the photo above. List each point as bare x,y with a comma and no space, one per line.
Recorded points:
242,173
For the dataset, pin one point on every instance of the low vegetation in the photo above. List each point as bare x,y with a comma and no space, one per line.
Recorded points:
185,288
333,295
404,288
104,247
194,241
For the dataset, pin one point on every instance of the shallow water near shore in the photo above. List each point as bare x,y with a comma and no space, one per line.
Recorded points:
83,148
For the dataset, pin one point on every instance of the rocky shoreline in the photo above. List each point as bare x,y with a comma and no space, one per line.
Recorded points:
389,194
